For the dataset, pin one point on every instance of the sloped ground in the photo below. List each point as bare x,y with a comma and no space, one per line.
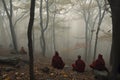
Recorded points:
21,72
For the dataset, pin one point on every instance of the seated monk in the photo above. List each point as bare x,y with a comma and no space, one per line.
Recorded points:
57,61
22,51
99,64
79,65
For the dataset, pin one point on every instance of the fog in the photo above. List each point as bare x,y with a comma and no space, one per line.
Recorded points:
69,34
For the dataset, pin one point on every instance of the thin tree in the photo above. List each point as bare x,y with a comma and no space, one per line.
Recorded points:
9,14
88,11
101,16
43,29
86,15
30,45
54,17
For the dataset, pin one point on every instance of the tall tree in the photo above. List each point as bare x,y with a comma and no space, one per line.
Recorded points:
43,27
54,17
85,10
91,12
30,47
9,14
115,50
100,19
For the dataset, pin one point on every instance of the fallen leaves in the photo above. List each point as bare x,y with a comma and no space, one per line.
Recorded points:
42,73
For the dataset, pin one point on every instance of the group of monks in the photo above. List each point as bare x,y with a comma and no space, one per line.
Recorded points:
79,65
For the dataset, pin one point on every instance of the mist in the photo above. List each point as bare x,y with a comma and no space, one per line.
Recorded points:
69,35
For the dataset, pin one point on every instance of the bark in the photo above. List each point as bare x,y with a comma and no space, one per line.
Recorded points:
33,38
115,49
30,46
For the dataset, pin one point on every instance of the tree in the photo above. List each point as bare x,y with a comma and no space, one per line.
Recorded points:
9,14
100,16
43,27
4,31
30,47
54,17
115,49
56,22
91,10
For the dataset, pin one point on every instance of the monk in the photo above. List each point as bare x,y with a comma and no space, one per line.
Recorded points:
79,65
57,61
99,64
22,51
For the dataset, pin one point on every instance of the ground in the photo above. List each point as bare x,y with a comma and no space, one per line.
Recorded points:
21,72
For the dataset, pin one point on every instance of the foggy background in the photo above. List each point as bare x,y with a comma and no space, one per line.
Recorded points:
69,31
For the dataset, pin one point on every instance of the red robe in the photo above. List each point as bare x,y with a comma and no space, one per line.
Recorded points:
57,62
99,64
22,51
79,65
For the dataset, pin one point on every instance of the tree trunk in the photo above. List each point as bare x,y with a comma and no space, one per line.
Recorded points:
86,19
115,50
30,47
91,35
33,38
54,17
43,29
11,24
101,16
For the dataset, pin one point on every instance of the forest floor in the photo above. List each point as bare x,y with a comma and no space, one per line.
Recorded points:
21,72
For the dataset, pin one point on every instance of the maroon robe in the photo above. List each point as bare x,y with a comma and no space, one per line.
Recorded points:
99,64
57,61
79,65
22,51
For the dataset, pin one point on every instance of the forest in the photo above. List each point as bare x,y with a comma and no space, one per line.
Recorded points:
32,31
